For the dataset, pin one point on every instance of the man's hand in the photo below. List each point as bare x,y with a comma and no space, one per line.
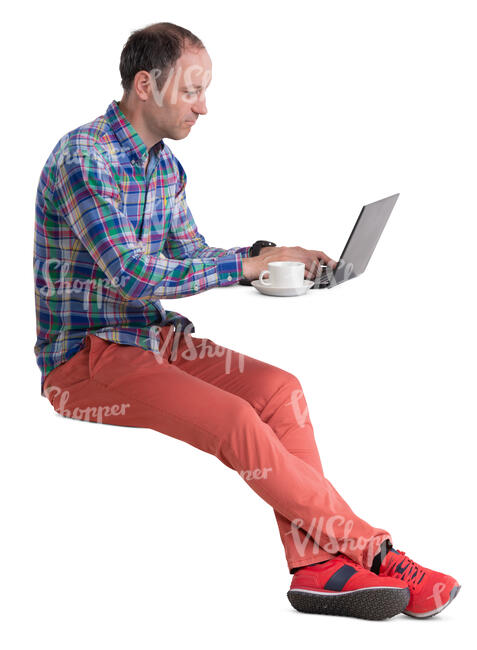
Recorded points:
252,266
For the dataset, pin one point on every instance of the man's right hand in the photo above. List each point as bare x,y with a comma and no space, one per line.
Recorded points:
252,266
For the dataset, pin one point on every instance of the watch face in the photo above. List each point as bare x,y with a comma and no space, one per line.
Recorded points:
262,243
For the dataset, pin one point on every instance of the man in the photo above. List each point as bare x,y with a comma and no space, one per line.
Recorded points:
113,236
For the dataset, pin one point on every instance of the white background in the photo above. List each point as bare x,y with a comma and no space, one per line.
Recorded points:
125,538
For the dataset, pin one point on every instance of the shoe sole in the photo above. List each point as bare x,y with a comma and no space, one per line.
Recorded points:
454,591
373,603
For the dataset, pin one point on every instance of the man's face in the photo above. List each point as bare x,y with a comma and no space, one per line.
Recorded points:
172,111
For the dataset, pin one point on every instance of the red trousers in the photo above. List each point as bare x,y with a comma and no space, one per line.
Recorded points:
251,415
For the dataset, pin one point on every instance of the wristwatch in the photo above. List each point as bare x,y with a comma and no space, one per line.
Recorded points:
254,250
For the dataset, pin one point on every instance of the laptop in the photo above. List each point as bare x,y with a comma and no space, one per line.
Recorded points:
360,245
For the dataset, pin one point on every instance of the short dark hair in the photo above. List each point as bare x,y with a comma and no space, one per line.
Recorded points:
156,46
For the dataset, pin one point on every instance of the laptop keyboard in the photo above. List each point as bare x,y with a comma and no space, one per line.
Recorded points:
323,276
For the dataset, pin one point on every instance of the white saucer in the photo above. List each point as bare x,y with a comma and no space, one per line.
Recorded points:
282,291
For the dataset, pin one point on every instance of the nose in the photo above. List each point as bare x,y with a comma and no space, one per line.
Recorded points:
200,106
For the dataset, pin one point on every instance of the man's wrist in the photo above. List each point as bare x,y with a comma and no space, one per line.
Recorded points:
253,251
246,266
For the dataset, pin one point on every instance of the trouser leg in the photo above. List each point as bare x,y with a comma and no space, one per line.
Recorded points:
278,399
129,386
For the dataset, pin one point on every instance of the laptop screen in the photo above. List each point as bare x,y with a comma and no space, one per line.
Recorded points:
363,239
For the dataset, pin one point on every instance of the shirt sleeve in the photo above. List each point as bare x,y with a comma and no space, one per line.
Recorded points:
183,239
88,198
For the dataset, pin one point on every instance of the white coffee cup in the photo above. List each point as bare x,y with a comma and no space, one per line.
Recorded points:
284,274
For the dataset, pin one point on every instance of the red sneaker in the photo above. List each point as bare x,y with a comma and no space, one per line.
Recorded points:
342,587
430,591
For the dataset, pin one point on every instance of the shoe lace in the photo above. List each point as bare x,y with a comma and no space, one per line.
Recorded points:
406,569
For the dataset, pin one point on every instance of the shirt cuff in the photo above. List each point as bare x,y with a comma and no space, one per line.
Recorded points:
244,251
229,269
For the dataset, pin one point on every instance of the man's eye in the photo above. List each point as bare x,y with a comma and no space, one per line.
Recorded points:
191,92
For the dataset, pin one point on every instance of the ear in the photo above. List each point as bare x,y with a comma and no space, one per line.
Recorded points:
142,85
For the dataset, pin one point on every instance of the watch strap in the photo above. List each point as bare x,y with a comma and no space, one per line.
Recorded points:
253,252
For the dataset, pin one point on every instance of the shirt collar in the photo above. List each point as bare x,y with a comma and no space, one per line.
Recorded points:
126,134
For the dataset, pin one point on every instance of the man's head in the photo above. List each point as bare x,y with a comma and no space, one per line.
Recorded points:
165,70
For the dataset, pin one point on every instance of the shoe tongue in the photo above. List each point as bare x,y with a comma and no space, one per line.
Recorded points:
390,557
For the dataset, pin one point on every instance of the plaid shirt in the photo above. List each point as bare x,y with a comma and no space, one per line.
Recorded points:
113,235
